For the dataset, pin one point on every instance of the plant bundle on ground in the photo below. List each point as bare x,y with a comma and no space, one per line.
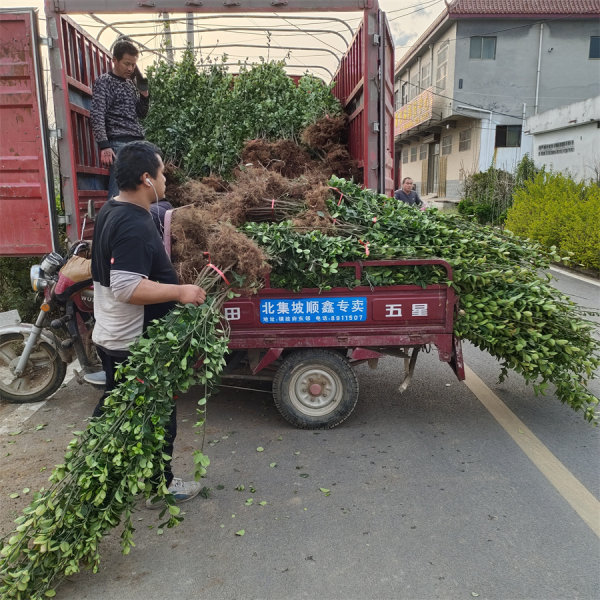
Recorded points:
120,456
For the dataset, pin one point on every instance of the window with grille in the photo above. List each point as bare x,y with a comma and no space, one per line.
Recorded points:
483,47
423,152
464,140
413,89
446,144
413,154
404,155
442,67
508,136
425,76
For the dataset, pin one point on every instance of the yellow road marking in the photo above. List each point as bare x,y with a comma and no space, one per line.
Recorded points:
568,486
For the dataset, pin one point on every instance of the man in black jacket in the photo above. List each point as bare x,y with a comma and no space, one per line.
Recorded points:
119,100
407,194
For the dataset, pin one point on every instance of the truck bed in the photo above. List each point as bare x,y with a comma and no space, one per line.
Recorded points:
368,321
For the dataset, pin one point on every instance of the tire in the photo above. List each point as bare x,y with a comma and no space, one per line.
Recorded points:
43,375
334,392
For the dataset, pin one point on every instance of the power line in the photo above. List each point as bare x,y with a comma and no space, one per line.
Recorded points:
310,34
423,7
389,12
530,24
496,112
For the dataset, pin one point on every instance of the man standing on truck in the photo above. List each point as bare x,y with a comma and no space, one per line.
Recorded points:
134,280
119,100
407,194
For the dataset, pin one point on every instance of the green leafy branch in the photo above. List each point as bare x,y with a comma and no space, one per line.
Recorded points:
508,307
120,455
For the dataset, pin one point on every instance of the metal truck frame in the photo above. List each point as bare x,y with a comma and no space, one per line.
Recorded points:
29,220
307,342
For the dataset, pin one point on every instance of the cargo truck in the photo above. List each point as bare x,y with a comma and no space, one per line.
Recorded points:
308,357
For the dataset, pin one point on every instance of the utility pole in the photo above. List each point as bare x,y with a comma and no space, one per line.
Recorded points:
189,19
167,39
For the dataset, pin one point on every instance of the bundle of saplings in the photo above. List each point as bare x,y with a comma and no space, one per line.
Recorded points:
201,115
508,306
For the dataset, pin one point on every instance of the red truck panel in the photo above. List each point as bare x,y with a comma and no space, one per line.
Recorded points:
387,108
364,84
379,318
385,316
83,59
27,226
394,316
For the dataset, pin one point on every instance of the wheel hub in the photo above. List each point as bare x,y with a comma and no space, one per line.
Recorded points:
12,365
315,389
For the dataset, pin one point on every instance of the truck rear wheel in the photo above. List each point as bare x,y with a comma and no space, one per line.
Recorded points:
315,389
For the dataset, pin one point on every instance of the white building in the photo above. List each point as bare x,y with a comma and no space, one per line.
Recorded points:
567,139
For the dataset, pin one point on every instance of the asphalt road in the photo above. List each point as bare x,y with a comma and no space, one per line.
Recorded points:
430,496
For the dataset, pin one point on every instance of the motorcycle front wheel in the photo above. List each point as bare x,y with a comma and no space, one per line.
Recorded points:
43,375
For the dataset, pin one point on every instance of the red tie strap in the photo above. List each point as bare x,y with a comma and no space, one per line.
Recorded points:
215,268
366,245
338,191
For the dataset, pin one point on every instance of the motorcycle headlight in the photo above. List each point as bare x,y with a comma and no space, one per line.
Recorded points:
51,263
35,276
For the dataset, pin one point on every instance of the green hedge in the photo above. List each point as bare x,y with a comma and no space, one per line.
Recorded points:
201,115
557,211
487,196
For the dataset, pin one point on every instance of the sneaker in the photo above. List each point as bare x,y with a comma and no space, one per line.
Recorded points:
181,490
97,378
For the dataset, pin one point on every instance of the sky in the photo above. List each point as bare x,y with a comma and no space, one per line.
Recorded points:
304,44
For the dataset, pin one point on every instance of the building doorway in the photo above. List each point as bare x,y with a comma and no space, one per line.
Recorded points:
433,168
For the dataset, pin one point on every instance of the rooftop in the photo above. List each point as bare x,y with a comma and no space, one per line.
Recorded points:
470,9
536,8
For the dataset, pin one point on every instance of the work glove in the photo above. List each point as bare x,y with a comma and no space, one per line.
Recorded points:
141,82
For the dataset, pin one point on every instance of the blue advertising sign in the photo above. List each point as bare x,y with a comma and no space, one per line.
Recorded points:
313,310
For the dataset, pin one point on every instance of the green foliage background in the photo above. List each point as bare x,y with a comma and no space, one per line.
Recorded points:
201,115
488,195
16,292
556,211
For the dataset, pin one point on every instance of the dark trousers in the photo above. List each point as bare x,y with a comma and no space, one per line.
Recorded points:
110,362
113,187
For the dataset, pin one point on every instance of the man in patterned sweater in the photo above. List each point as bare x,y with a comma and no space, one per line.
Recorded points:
119,100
